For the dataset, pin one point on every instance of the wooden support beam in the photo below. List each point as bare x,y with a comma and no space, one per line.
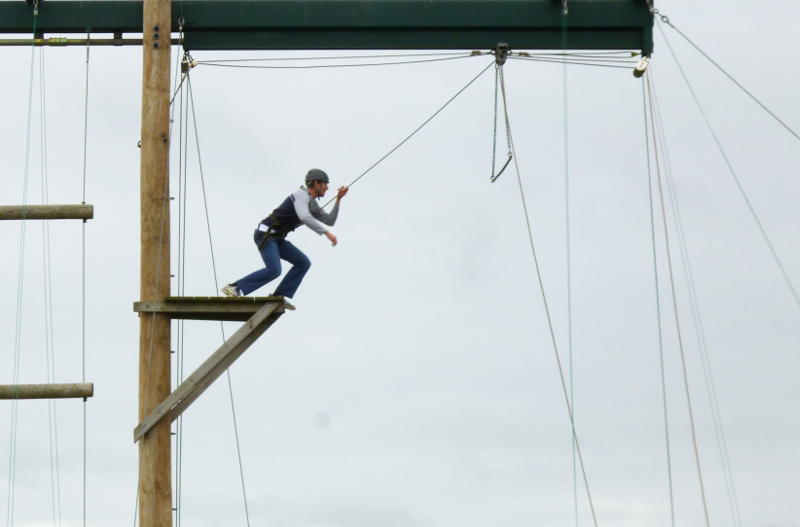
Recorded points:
185,394
155,450
46,212
207,307
46,391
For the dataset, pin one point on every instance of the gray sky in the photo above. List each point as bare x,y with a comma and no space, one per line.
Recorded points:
416,385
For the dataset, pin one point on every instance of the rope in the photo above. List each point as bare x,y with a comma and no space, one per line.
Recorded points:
565,119
83,266
549,319
12,452
658,314
697,319
182,227
216,287
345,57
733,173
55,487
675,311
47,279
665,19
573,62
420,127
178,498
344,65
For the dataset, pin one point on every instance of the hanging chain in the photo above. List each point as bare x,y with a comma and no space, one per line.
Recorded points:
500,85
494,120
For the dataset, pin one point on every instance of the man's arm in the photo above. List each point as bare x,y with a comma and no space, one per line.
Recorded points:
301,204
328,218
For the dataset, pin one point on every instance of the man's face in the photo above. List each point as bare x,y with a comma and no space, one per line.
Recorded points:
320,188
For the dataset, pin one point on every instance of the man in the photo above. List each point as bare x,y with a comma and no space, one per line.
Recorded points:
299,208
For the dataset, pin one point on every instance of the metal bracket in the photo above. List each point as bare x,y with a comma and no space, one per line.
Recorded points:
187,63
641,66
34,4
501,53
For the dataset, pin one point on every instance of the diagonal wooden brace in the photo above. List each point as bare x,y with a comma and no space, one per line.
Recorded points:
194,385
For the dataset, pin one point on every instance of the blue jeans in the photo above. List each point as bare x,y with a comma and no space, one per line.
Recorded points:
273,251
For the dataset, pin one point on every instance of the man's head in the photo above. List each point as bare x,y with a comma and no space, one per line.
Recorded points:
317,182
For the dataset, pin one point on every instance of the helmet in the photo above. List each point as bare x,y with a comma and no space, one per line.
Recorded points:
316,174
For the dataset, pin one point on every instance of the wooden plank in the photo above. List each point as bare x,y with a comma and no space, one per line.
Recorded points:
46,212
207,307
46,391
185,394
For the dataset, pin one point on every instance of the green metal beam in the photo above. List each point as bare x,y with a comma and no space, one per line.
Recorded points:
358,24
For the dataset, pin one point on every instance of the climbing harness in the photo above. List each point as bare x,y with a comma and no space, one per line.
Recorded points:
501,54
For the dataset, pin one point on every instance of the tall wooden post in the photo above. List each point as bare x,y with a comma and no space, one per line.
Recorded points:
155,483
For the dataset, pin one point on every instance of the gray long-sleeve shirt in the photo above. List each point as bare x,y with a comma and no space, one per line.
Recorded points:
310,212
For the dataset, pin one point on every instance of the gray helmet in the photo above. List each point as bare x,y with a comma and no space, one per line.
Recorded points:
316,174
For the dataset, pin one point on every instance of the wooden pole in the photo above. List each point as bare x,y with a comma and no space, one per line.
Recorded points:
46,391
46,212
155,482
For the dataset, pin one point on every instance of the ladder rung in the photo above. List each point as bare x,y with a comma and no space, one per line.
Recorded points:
46,212
46,391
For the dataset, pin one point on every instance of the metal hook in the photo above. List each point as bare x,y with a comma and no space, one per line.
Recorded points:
510,157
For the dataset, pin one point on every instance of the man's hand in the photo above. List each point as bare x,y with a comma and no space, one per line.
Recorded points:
331,237
341,192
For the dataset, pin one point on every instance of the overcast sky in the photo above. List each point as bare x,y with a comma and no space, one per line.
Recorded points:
416,384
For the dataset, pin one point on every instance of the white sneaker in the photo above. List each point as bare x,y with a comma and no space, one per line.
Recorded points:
231,290
286,304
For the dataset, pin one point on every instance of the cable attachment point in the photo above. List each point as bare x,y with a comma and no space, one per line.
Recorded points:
187,63
501,53
35,5
564,7
641,66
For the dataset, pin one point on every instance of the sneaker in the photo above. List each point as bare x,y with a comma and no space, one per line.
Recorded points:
288,305
231,290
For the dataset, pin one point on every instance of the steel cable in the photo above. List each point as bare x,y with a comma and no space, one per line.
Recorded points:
417,129
665,19
12,451
733,173
547,311
675,309
216,287
658,313
344,65
696,316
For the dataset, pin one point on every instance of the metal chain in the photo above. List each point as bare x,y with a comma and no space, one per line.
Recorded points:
500,81
494,121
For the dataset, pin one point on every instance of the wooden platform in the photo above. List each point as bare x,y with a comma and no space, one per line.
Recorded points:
266,310
46,212
209,307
